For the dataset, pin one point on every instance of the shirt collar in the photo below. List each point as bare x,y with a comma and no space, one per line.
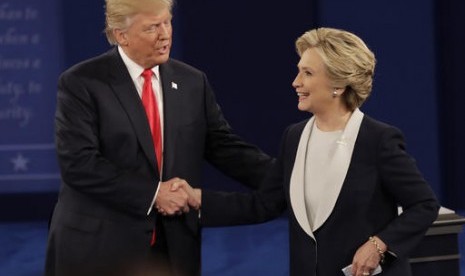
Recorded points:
135,70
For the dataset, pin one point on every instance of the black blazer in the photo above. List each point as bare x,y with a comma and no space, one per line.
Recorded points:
108,165
381,176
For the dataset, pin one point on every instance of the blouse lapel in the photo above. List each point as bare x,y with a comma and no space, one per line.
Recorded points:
338,168
337,172
296,186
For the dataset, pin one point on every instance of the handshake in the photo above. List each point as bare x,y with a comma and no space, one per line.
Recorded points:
176,197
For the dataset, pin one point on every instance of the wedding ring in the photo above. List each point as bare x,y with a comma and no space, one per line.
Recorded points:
366,273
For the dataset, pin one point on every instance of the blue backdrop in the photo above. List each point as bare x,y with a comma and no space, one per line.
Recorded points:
450,26
248,53
31,56
247,50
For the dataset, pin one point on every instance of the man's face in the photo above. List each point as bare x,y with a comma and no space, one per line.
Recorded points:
147,40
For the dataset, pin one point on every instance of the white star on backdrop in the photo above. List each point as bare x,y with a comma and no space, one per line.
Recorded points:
19,163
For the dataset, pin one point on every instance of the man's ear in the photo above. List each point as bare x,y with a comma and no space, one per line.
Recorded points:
121,37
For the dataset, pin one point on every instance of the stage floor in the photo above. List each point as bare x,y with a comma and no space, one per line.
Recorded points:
242,250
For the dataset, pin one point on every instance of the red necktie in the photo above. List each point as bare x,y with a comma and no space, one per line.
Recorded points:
153,116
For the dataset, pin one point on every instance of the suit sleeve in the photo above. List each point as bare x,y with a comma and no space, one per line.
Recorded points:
83,167
234,208
403,181
227,151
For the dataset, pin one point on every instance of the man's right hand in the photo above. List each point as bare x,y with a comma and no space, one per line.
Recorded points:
195,195
170,201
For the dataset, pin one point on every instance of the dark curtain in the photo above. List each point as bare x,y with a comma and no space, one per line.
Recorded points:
451,98
247,51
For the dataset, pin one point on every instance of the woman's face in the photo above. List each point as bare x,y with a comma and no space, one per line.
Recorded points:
312,84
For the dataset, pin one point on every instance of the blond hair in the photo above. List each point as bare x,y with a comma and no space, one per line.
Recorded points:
118,13
348,61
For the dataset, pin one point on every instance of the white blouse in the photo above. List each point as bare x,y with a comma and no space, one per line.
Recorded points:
321,148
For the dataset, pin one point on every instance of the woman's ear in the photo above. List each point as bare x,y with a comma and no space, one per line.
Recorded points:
340,90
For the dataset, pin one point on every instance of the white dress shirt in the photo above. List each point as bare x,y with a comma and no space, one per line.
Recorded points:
135,71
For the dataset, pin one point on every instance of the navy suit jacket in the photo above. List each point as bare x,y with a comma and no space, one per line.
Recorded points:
108,165
381,176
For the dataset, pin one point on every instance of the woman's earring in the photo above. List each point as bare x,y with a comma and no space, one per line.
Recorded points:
334,93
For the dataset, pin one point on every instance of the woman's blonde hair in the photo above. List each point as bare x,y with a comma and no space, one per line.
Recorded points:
349,63
118,13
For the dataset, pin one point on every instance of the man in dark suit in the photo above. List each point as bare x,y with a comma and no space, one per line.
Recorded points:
117,161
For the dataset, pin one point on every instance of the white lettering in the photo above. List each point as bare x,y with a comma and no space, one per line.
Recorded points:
12,90
31,14
34,88
10,37
14,63
7,14
18,113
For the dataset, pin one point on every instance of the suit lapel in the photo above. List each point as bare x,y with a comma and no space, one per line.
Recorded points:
172,90
124,88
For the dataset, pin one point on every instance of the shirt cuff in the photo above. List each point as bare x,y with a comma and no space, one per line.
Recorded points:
153,200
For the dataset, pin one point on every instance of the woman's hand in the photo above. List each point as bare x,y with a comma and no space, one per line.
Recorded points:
172,202
194,195
367,257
